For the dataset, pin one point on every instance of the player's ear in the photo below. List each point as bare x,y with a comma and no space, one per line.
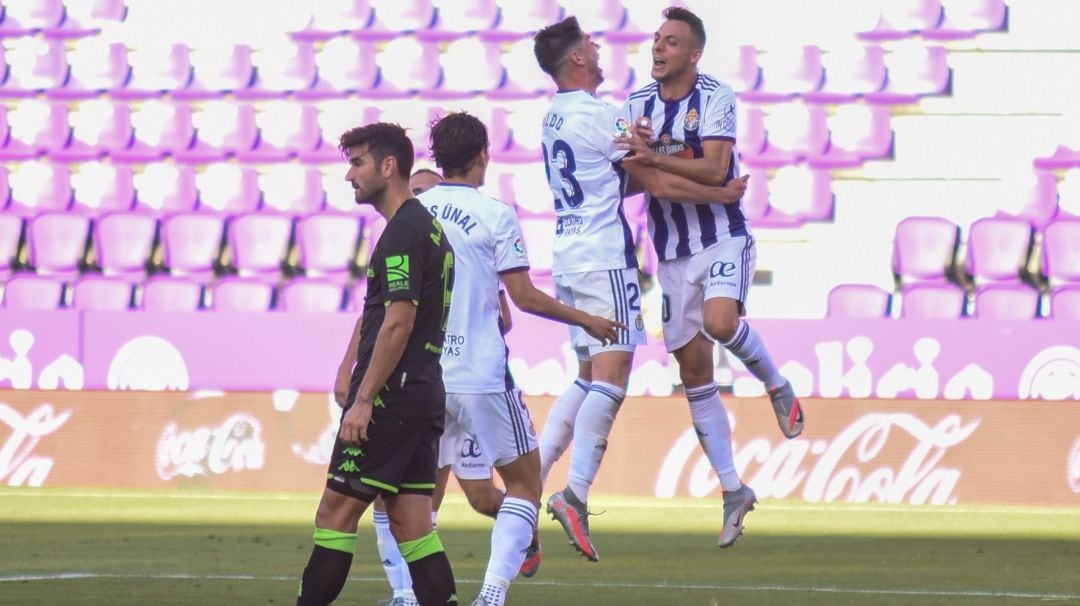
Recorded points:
388,167
696,56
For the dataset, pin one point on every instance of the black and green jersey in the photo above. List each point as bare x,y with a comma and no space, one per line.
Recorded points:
412,261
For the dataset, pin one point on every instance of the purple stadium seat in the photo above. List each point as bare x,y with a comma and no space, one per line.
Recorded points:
11,227
38,187
29,292
241,294
35,65
57,243
328,19
335,117
101,293
312,295
795,131
915,71
86,17
797,195
160,129
1006,302
406,67
1061,251
227,188
787,72
902,19
97,66
99,188
998,249
932,301
1065,302
469,67
124,243
259,243
597,16
35,129
505,145
850,71
222,129
5,187
328,244
518,20
858,301
165,188
280,69
856,133
395,17
750,131
357,294
218,71
925,248
619,77
755,201
1032,198
345,66
458,19
30,16
285,130
524,78
98,128
292,188
166,293
191,243
737,66
966,18
1064,156
156,70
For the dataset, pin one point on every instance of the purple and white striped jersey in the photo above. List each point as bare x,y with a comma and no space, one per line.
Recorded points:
680,128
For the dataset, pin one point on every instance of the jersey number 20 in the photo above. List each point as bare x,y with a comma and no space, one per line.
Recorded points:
561,159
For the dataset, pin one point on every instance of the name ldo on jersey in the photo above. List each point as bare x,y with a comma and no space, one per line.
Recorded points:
452,344
453,215
568,225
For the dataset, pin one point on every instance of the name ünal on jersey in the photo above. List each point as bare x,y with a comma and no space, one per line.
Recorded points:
454,216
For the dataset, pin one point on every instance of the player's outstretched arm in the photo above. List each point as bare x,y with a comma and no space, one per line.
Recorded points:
390,344
344,371
534,301
678,189
710,169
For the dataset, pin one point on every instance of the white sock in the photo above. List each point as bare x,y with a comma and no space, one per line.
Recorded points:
714,432
748,347
591,429
559,427
434,520
397,571
509,541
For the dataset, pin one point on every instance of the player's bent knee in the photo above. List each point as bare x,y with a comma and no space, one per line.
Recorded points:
722,328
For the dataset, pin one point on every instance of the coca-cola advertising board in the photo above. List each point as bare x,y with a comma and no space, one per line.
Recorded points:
891,451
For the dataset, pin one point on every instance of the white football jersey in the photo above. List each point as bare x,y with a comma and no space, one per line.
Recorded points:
591,231
487,242
680,128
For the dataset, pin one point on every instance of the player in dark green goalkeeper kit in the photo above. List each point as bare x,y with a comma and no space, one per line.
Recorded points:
388,441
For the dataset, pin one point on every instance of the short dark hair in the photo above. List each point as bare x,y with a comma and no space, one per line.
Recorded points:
553,43
457,139
425,171
678,13
383,140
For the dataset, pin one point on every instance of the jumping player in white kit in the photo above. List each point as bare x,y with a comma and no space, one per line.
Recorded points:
706,252
594,266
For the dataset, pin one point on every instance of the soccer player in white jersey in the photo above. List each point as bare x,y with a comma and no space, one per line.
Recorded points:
480,392
594,264
706,252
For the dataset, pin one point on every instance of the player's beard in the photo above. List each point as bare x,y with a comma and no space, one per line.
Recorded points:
370,194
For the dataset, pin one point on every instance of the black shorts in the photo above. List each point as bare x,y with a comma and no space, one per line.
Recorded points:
399,457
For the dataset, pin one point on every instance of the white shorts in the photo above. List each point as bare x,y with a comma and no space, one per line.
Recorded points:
725,270
500,422
459,448
613,294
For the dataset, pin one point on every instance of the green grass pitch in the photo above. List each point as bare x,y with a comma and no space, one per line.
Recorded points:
98,547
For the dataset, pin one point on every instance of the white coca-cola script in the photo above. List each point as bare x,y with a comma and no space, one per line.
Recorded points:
235,445
18,465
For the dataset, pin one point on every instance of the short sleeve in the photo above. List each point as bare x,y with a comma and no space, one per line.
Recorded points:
719,122
510,253
403,262
609,123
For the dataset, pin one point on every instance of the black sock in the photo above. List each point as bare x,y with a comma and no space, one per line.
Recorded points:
324,576
433,580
